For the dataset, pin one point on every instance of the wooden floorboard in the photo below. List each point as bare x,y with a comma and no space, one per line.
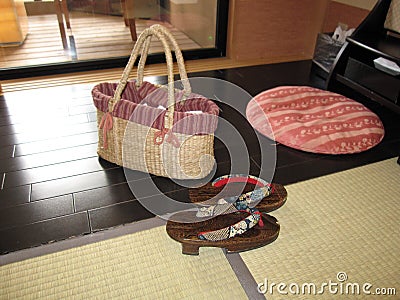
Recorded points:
49,158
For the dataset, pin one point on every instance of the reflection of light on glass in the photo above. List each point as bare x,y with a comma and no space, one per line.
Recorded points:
152,79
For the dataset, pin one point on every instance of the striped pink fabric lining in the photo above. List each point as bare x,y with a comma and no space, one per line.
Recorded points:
142,105
314,120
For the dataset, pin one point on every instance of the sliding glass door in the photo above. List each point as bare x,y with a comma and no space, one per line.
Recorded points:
56,36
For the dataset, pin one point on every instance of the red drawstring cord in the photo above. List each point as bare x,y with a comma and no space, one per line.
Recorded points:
171,138
106,123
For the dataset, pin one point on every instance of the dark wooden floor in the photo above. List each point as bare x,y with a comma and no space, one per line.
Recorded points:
53,186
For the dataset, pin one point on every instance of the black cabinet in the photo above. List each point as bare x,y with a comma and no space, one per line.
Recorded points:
354,65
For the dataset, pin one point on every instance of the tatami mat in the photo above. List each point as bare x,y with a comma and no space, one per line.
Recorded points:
342,224
144,265
345,222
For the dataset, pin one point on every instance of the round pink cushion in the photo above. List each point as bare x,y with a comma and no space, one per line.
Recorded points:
314,120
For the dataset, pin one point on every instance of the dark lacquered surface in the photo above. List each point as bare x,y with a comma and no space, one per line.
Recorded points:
53,185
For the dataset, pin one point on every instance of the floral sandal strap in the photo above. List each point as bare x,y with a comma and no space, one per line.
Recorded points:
264,190
222,207
238,228
215,210
234,203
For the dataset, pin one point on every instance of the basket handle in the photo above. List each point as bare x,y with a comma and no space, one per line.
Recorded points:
178,55
143,43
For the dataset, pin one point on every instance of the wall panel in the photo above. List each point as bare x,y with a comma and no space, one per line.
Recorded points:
268,29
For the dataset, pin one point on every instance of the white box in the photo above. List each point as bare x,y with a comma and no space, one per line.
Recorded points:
387,66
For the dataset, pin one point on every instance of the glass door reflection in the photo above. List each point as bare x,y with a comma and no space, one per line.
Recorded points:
62,31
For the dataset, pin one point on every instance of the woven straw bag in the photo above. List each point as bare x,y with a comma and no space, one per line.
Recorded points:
156,129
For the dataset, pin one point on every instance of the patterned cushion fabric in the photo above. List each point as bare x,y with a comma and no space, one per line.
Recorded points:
314,120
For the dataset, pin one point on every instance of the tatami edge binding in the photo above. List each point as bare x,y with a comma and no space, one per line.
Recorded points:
243,274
